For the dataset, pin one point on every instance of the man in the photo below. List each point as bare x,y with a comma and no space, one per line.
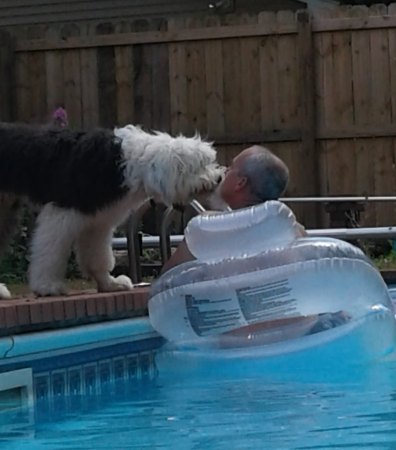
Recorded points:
254,176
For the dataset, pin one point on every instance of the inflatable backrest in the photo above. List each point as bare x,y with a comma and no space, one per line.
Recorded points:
242,233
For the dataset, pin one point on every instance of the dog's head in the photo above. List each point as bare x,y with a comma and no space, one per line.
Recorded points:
174,170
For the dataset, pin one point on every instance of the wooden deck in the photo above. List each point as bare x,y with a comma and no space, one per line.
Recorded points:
22,315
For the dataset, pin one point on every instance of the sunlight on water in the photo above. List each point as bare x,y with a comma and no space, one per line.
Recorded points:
355,410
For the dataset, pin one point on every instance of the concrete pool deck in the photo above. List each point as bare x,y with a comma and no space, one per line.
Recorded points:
29,314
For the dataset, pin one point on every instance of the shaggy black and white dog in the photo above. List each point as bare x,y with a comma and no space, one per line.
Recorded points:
88,183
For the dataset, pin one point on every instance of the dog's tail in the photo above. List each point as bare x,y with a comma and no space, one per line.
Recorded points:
10,206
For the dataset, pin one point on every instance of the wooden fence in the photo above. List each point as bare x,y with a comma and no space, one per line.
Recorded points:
319,91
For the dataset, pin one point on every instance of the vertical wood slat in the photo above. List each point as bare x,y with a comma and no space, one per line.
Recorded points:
36,82
7,71
250,79
177,81
143,78
196,87
381,113
288,73
323,81
196,81
124,78
161,119
89,89
363,151
214,85
22,88
268,74
342,76
308,160
392,52
54,75
360,49
107,86
232,86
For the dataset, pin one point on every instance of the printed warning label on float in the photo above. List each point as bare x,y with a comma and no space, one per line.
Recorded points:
213,316
269,301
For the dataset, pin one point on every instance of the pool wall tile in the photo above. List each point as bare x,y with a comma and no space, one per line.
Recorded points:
76,344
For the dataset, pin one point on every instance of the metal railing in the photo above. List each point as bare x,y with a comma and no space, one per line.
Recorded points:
135,241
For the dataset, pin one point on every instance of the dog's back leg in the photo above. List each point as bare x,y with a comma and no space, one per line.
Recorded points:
10,206
96,260
50,249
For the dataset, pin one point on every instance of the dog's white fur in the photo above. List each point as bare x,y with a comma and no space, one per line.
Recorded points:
167,169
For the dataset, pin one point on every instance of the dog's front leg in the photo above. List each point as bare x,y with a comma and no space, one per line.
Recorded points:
50,249
95,258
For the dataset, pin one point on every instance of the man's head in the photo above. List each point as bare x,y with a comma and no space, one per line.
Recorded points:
255,176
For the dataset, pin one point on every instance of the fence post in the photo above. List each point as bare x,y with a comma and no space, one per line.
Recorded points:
309,158
6,76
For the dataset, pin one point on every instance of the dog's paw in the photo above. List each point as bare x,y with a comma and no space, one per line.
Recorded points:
48,289
4,292
120,283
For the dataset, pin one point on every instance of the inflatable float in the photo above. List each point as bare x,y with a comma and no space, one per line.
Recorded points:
257,288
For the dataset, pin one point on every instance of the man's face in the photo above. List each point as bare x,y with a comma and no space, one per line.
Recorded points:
232,179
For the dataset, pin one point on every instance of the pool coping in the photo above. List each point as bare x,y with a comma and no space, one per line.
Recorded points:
33,314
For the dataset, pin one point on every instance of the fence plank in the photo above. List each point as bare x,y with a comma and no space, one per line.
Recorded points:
54,75
89,88
72,80
124,72
360,46
214,85
250,79
268,74
232,86
7,71
308,160
323,81
161,119
384,177
392,51
178,82
380,94
107,86
196,84
342,78
288,93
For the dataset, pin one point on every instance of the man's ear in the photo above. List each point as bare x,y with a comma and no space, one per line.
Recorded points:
242,183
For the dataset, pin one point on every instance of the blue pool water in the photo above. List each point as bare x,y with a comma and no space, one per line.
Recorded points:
349,408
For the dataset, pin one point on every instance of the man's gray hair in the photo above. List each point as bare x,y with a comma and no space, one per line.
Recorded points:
267,174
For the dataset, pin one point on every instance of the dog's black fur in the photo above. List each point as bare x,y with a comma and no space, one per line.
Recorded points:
72,169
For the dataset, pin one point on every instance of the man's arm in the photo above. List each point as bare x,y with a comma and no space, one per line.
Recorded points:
181,255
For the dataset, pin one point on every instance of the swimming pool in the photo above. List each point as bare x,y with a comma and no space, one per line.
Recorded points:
119,390
353,411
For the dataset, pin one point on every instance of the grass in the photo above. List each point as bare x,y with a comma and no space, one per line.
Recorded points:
386,262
